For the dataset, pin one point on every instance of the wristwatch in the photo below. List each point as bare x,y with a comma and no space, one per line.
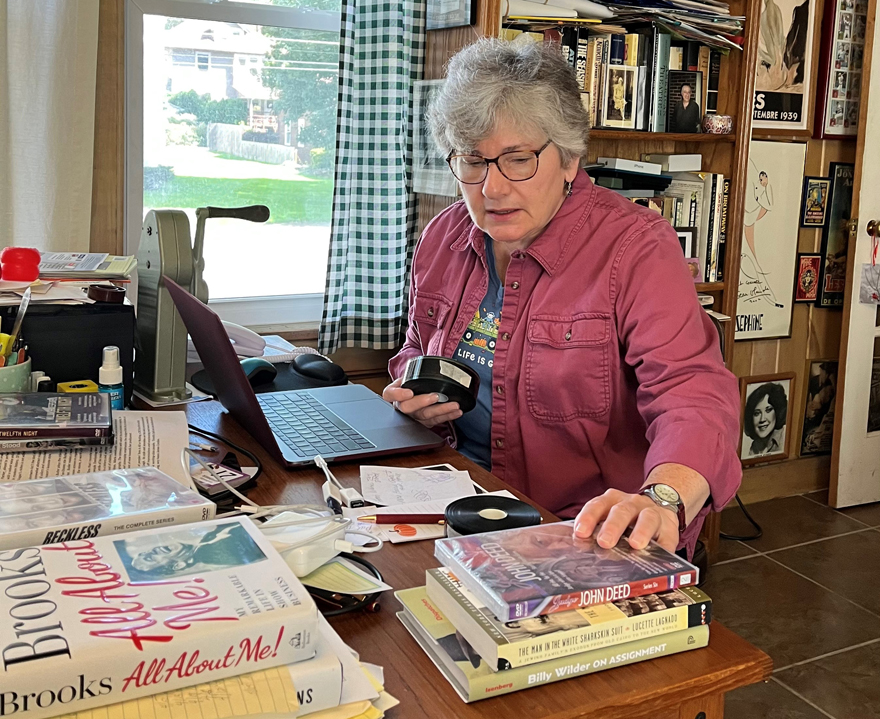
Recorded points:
668,497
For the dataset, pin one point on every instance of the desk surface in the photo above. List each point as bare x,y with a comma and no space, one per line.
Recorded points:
677,687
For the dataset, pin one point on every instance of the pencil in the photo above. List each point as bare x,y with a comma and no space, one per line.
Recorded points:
404,518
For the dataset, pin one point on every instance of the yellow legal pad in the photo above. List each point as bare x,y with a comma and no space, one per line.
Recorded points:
270,691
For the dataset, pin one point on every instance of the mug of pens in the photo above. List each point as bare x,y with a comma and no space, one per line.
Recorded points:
15,364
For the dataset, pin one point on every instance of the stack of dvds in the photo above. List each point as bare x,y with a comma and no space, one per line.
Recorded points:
525,607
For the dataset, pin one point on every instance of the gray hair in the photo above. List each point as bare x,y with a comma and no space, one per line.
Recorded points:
527,84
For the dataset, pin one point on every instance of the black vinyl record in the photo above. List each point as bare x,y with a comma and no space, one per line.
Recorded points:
449,378
488,513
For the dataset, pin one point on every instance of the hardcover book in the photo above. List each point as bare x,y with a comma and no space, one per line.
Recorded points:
503,645
473,679
91,622
40,415
519,573
83,506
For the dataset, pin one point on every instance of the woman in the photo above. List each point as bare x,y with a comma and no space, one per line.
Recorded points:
603,378
764,423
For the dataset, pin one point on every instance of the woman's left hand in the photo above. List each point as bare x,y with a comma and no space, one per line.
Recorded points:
619,511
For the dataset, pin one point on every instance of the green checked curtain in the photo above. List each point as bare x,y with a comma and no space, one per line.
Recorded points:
374,218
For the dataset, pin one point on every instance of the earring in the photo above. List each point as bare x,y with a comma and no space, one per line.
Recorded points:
569,187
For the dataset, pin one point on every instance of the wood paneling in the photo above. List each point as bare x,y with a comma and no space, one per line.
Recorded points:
108,174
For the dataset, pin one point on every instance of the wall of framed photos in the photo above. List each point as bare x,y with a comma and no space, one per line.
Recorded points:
815,335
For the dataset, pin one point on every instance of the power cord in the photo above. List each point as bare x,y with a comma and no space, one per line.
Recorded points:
747,537
345,603
250,455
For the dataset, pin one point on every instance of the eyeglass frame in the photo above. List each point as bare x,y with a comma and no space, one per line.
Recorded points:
490,160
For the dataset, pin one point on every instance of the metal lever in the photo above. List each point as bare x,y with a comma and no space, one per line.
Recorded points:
251,213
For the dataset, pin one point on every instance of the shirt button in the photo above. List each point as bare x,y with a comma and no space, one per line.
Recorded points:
499,443
505,336
514,286
499,389
430,312
568,335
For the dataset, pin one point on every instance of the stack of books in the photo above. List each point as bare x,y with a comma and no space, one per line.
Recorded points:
525,607
31,421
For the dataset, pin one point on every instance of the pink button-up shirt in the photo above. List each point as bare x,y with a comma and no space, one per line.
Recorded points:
605,365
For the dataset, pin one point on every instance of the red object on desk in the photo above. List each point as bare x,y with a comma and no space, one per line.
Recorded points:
20,264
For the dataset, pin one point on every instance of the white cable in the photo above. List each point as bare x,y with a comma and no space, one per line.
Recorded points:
365,550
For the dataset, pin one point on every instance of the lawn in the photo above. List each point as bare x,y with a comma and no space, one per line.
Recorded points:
301,202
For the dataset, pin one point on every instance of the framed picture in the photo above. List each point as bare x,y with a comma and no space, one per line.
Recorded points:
814,201
687,237
874,397
451,13
684,103
695,267
835,236
770,236
806,283
431,174
619,108
765,417
783,76
821,393
840,68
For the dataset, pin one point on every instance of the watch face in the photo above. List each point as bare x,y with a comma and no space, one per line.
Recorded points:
666,493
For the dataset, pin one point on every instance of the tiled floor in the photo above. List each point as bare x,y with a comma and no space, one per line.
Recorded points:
808,594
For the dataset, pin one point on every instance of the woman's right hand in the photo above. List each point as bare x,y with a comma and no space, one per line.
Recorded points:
423,407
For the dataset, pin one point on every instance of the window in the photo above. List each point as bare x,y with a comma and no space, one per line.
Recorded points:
203,129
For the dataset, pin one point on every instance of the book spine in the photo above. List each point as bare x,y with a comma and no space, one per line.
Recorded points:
36,445
569,44
514,680
581,59
703,67
617,50
69,432
722,235
631,49
603,43
714,83
660,90
715,237
691,59
708,258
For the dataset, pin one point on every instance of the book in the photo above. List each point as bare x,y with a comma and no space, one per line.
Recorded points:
41,415
722,235
713,189
86,265
597,76
503,645
617,50
714,82
631,49
660,86
676,163
618,163
676,58
473,679
35,445
84,506
580,61
525,572
104,620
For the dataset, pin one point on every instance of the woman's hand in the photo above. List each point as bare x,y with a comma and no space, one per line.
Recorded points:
423,407
619,511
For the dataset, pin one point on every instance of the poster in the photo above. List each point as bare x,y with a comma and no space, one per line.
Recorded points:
843,48
431,174
770,234
835,236
785,59
818,430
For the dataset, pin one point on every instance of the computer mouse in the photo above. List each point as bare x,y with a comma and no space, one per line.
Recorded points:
317,367
258,371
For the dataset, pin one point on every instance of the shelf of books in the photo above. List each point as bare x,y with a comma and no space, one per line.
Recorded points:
600,133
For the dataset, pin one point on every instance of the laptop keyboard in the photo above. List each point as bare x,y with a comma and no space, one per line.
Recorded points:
310,427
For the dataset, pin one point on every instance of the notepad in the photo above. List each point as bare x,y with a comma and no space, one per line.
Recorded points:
397,485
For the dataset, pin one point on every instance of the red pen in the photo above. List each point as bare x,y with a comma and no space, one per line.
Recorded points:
404,519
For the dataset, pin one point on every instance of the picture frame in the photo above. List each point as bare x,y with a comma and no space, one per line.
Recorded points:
814,201
835,236
431,174
619,103
687,238
806,283
768,254
874,397
765,417
443,14
784,71
838,87
820,393
680,117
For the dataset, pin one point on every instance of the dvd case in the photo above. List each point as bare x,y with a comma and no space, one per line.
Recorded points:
42,415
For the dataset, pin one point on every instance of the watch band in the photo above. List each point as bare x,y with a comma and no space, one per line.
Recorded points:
677,507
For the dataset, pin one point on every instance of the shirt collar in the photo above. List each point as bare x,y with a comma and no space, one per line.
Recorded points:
552,245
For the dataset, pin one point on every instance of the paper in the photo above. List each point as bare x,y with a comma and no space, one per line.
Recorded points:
402,533
869,290
143,439
340,575
356,686
397,485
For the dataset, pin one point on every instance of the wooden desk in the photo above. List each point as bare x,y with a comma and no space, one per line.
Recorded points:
684,686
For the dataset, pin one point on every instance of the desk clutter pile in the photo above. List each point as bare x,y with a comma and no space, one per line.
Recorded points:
521,608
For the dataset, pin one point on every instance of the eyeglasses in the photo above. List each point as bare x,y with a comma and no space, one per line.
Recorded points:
515,166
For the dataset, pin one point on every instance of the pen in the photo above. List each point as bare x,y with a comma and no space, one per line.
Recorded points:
404,519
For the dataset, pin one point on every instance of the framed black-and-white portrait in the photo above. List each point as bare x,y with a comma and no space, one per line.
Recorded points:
451,13
431,174
765,417
619,106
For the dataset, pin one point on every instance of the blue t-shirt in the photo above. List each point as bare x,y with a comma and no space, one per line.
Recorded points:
477,350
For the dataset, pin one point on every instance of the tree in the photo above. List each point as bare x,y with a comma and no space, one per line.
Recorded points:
304,89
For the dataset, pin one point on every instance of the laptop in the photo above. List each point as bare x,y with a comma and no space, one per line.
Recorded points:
345,422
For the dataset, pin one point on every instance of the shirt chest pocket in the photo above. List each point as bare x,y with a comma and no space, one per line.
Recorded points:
429,313
567,366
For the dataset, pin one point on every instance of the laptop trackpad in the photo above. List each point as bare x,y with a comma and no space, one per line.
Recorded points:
374,413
